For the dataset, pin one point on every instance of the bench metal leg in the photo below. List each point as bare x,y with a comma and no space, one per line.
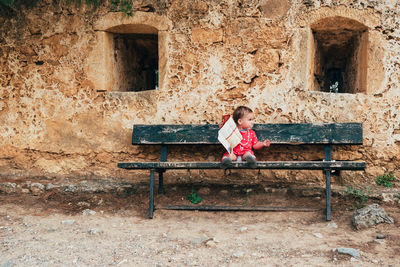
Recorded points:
160,182
328,157
151,197
328,194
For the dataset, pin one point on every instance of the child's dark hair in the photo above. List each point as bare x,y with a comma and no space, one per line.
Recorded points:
240,112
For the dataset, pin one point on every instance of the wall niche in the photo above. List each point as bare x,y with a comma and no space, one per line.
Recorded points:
340,55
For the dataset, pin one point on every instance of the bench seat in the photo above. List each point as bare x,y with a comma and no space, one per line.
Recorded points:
273,165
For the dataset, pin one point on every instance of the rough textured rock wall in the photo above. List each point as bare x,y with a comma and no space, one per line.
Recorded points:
60,119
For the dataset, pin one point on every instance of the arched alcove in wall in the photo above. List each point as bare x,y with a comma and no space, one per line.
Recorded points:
129,53
134,61
340,55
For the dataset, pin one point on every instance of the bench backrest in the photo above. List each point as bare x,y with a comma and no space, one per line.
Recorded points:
279,133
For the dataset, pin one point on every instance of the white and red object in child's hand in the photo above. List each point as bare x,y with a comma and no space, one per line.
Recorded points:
229,134
225,118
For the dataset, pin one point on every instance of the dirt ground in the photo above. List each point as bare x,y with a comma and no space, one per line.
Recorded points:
113,230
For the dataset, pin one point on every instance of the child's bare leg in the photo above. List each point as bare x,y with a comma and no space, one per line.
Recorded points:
233,157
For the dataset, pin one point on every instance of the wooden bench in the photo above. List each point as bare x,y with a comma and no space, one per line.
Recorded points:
282,134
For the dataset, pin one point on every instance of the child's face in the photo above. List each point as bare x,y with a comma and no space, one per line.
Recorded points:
247,121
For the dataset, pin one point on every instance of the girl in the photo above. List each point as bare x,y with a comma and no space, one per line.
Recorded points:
244,119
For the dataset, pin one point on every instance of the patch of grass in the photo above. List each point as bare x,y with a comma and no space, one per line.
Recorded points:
194,197
360,197
246,201
129,192
386,180
124,6
7,2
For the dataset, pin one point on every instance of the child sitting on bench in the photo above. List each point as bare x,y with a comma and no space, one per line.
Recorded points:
244,119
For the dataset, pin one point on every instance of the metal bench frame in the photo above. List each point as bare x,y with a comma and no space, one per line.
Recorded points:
293,134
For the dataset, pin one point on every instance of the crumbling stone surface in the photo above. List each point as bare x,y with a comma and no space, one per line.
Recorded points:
62,115
370,216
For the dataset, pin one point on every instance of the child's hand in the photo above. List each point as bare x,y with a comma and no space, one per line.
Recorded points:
266,142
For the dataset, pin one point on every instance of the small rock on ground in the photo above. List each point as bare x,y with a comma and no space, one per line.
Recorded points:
349,251
370,216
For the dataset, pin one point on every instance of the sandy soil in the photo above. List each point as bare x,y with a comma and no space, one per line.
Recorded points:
113,230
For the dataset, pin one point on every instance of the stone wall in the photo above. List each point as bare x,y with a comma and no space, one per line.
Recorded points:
63,116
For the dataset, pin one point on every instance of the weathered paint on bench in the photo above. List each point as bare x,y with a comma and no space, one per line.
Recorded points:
281,133
277,165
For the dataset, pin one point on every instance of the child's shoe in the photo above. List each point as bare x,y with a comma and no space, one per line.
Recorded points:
251,161
226,163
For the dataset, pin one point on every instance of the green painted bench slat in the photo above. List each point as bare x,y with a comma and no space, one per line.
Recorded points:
299,165
280,133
